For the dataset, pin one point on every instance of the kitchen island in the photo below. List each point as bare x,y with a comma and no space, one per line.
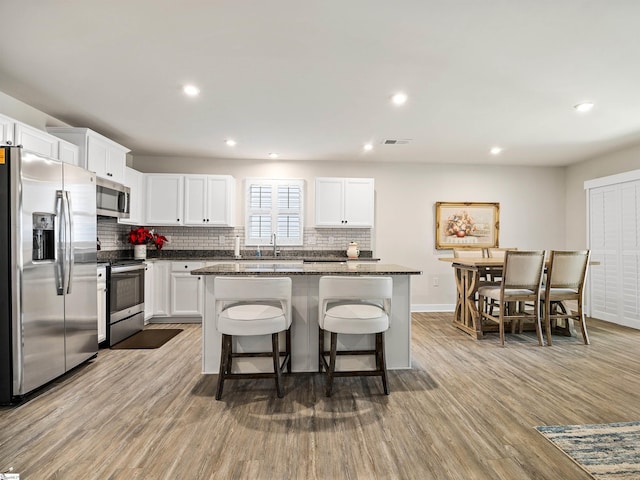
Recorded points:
304,329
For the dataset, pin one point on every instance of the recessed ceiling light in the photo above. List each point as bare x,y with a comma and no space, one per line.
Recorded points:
230,142
496,150
273,155
368,147
399,98
584,107
191,90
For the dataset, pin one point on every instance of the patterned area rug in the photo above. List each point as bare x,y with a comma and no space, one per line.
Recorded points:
605,451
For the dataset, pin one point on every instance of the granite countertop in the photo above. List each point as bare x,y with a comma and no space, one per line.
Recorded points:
247,256
323,268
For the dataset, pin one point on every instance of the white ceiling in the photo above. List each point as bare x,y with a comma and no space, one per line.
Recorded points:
311,80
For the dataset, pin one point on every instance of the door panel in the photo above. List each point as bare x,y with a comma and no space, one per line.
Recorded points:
81,309
39,317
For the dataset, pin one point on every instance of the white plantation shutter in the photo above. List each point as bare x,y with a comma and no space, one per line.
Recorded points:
614,240
274,206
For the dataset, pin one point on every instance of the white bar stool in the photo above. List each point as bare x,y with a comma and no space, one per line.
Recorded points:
248,306
354,305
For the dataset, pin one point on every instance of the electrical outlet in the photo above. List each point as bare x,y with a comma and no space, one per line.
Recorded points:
436,281
311,240
331,239
221,239
116,240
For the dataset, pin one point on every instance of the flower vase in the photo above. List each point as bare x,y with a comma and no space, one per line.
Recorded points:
140,252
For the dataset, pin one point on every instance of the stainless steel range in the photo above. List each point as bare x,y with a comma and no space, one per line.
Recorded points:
126,300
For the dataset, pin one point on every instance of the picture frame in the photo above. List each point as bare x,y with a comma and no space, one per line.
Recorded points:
467,225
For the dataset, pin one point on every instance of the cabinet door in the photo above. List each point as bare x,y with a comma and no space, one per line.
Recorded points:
186,290
116,163
164,199
358,202
329,202
148,291
135,181
36,140
97,157
6,130
195,200
220,201
68,153
160,289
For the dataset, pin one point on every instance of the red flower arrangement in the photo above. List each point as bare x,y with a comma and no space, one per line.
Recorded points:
143,236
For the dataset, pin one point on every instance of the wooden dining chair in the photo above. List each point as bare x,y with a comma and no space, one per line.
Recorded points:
518,295
565,282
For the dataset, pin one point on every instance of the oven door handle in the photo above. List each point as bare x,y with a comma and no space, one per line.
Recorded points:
128,268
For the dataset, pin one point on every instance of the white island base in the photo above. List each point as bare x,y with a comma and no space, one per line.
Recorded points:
304,332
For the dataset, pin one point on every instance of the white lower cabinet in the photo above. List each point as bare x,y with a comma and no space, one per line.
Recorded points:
186,290
160,288
102,303
175,294
148,290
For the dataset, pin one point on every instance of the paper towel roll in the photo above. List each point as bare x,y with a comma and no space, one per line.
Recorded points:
236,251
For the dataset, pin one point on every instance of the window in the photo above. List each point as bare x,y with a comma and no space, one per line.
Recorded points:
274,206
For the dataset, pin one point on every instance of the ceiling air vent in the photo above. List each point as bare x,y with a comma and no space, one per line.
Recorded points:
396,141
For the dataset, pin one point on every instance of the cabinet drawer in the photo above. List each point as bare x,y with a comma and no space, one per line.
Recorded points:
185,266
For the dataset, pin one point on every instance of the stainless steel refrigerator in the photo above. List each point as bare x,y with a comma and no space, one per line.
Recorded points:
48,286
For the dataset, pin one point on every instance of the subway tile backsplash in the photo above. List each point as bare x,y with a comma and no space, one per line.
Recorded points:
113,236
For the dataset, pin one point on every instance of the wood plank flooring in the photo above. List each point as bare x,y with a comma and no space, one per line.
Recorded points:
467,410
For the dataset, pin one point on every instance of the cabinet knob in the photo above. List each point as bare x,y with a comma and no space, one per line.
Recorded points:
177,220
186,266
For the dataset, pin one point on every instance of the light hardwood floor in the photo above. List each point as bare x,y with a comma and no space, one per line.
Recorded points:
467,410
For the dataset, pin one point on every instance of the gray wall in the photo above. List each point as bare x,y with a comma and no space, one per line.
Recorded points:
576,199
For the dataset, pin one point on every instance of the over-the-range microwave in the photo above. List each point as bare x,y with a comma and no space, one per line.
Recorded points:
112,199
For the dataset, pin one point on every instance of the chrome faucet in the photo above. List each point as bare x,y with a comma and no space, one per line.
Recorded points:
275,245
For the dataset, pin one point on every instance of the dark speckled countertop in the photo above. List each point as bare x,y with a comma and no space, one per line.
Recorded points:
246,255
322,268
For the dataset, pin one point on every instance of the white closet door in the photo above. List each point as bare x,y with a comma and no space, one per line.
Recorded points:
604,226
614,239
630,252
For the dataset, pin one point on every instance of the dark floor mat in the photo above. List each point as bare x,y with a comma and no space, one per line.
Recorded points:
152,338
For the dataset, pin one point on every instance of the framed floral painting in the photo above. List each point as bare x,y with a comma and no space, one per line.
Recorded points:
467,225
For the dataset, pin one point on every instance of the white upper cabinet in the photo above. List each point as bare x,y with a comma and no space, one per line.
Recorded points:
209,200
191,200
68,152
135,181
164,199
35,140
13,132
6,130
97,153
344,202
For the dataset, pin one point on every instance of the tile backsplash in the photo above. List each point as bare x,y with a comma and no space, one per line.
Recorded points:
113,236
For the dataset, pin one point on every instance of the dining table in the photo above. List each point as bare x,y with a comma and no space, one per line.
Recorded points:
470,274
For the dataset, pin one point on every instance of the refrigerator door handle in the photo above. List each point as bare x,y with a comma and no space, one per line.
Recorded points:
60,247
69,241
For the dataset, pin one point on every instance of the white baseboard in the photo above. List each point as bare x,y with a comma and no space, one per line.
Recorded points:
432,307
